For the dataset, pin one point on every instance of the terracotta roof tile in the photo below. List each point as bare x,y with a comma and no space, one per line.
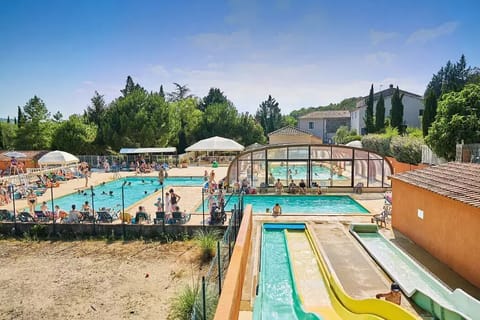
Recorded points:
290,131
327,114
455,180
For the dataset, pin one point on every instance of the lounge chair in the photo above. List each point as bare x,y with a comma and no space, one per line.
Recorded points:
159,217
383,217
25,217
87,216
358,188
41,216
6,215
141,217
104,216
179,217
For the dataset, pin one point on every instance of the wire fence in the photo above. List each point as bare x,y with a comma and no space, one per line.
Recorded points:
211,285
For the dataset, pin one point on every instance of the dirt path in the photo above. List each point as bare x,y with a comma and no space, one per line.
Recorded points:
93,279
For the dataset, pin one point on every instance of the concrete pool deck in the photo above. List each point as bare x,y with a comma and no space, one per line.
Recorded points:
329,229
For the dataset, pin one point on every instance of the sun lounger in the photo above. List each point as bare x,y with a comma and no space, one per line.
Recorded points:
104,216
383,217
159,217
6,215
41,216
179,217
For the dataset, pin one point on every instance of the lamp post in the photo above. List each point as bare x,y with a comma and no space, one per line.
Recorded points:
93,209
123,208
163,201
203,207
14,210
53,208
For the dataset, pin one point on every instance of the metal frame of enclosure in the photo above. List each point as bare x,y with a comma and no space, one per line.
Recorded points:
322,165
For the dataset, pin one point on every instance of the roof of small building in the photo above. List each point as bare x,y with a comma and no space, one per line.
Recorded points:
455,180
290,131
327,114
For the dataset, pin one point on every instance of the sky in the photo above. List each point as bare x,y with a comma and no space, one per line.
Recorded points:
303,53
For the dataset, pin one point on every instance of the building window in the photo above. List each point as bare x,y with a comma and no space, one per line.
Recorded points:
310,125
420,112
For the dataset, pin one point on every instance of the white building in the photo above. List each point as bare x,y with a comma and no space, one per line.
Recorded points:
412,109
324,124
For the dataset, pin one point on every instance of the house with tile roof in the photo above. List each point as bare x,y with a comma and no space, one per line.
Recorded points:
291,134
412,109
438,208
324,124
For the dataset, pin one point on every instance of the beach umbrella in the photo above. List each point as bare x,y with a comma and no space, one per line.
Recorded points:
57,158
216,144
15,154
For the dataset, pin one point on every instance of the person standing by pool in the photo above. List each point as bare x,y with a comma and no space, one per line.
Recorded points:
161,175
174,198
32,200
205,176
278,187
277,210
84,170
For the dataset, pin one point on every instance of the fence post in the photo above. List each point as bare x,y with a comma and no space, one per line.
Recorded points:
219,270
204,299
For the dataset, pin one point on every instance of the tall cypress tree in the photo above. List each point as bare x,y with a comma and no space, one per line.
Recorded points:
429,112
397,110
161,92
380,114
369,124
20,117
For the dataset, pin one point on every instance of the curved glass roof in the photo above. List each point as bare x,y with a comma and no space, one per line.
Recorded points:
316,164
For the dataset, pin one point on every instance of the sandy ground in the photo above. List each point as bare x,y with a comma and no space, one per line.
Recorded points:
93,279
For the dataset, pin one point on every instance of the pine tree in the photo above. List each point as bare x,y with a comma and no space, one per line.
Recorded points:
369,124
380,114
20,117
129,87
429,112
8,119
397,111
161,92
269,115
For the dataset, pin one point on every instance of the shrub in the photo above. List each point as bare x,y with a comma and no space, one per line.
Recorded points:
37,232
207,240
190,299
378,143
407,149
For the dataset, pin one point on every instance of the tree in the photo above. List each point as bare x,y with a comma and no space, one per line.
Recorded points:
96,110
185,122
8,119
218,120
269,116
75,136
451,77
161,93
429,112
369,123
180,92
214,96
58,116
20,117
380,114
129,87
457,120
36,133
7,135
248,130
343,135
397,111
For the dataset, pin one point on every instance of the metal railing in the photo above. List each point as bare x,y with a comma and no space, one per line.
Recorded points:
211,285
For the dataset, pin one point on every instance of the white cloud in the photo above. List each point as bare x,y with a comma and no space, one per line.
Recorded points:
379,36
379,58
425,35
159,70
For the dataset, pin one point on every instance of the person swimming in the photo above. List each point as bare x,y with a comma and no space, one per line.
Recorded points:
104,193
110,193
145,192
129,183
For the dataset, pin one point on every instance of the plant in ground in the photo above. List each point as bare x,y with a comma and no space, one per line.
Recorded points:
207,240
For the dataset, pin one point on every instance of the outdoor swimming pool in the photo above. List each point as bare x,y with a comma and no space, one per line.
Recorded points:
135,190
298,172
293,204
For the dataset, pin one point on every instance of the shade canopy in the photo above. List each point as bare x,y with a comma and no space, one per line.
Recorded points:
57,158
14,154
148,150
355,144
216,144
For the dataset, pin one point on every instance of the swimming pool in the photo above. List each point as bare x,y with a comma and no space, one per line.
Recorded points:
293,204
297,172
135,190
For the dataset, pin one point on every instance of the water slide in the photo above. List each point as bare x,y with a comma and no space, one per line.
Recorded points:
415,281
295,283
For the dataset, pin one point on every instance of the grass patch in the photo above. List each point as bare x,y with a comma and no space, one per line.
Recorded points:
207,240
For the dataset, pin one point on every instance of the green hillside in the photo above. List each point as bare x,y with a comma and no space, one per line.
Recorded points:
345,104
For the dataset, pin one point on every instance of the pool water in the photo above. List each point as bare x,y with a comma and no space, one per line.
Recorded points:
293,204
136,189
300,172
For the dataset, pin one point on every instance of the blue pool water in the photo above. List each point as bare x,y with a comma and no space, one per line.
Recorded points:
300,172
292,204
135,190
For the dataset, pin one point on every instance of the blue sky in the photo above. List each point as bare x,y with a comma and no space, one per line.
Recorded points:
303,53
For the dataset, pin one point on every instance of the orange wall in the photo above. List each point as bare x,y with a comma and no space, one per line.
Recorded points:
449,230
29,163
229,303
402,166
